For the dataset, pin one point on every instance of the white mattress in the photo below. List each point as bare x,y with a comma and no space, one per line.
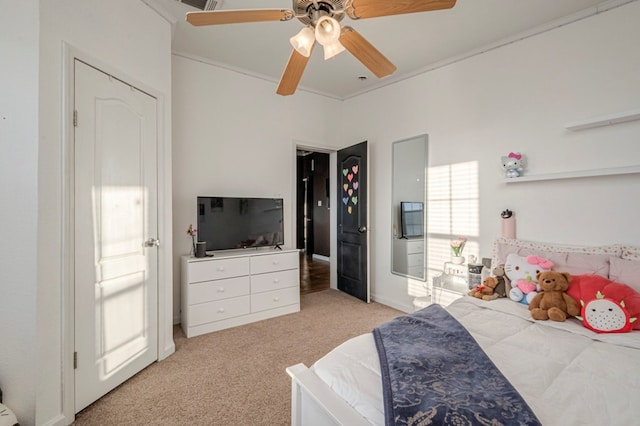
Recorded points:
567,374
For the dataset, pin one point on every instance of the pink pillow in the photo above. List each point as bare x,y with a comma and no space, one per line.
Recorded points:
630,253
625,271
572,259
618,297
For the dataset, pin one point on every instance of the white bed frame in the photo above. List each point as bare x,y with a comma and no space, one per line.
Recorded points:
313,403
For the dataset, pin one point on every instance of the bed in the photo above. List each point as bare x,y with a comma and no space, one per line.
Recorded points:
565,373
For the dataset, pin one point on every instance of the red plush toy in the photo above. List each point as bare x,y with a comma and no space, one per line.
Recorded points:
604,315
607,306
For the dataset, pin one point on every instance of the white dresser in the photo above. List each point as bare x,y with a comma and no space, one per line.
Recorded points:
408,256
232,289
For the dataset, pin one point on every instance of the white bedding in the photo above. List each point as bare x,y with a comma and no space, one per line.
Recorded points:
567,374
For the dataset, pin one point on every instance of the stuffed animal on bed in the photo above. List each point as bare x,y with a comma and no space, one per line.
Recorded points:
493,286
504,285
486,290
607,306
606,315
553,302
522,272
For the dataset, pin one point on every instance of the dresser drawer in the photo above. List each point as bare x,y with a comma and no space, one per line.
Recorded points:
208,270
417,271
218,310
415,259
207,291
415,246
274,262
274,299
275,280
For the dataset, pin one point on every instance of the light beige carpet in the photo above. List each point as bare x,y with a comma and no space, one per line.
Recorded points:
236,376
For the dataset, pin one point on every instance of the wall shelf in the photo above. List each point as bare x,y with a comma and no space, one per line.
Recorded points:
604,120
576,174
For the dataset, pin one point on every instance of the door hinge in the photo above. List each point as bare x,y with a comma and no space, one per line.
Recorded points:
75,360
75,118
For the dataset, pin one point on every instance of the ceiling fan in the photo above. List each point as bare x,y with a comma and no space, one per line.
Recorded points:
321,19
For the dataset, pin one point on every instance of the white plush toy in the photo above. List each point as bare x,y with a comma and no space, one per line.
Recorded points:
512,165
522,272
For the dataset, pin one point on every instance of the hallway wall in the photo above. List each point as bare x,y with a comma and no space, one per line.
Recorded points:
315,166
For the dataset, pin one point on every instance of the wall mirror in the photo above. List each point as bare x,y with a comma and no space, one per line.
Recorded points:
408,204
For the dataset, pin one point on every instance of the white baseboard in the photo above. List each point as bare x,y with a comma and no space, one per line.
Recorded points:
59,420
320,257
392,303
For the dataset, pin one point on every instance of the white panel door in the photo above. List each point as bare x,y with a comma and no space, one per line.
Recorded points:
115,196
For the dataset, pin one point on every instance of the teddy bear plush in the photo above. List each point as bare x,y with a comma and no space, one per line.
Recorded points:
492,287
486,289
553,302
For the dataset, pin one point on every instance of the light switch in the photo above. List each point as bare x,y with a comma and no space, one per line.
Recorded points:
319,203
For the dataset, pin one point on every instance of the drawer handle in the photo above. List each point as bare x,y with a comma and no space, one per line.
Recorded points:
221,311
221,269
221,290
276,281
276,299
275,262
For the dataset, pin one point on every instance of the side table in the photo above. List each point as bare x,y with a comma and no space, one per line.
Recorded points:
451,284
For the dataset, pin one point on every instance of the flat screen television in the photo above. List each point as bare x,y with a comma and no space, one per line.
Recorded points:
236,223
412,219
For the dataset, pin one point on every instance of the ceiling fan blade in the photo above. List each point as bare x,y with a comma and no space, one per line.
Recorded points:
217,17
364,51
361,9
292,73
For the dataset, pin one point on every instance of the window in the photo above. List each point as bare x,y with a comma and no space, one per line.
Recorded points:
452,212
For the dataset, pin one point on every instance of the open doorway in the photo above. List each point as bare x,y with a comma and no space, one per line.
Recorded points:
313,222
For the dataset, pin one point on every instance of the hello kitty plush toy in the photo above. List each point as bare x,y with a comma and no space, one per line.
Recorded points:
512,164
522,271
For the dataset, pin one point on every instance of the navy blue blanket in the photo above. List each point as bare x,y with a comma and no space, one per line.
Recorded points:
434,372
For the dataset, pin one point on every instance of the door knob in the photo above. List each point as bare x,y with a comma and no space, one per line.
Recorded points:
362,229
152,242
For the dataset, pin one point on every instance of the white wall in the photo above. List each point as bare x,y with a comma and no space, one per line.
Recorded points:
232,135
518,98
19,206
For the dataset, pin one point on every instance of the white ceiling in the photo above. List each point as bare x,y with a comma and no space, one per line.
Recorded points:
413,42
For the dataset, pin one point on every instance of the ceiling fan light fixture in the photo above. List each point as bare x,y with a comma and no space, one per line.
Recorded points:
331,50
303,41
327,30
